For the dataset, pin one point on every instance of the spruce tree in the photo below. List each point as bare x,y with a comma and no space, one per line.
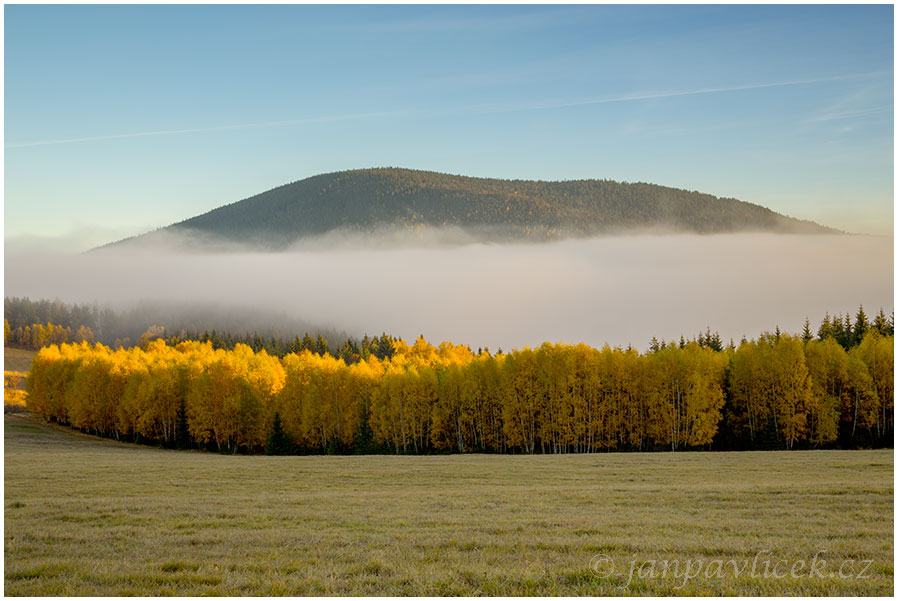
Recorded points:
182,433
714,341
880,323
321,346
847,338
825,329
308,343
278,441
807,332
861,326
385,346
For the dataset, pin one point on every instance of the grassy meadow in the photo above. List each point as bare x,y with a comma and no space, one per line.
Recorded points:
15,359
85,516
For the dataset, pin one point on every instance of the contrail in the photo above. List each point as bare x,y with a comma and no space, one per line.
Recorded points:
169,132
850,114
486,108
676,93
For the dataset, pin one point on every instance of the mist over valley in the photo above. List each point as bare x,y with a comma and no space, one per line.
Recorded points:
621,290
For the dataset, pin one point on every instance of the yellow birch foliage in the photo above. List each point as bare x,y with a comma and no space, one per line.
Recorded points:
555,399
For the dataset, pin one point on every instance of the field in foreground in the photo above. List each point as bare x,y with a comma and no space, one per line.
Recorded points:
15,359
85,516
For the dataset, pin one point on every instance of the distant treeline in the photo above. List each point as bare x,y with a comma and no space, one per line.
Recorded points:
24,312
37,336
779,391
350,351
32,325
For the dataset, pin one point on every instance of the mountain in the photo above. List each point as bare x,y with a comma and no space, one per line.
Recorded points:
490,209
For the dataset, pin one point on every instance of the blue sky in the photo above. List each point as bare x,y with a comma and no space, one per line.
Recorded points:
123,119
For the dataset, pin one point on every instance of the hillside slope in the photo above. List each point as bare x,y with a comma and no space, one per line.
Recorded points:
366,199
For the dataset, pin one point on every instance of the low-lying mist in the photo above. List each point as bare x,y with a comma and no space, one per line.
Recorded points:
619,290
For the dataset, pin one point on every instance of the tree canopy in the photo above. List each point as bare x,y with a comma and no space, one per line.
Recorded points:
777,391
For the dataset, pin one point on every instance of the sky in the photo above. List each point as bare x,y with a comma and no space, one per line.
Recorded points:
121,119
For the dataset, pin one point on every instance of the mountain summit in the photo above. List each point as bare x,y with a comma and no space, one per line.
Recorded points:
490,209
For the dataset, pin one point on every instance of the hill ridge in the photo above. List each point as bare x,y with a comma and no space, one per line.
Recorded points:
493,208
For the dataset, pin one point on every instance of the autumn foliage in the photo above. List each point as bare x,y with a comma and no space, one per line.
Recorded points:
39,335
774,392
13,388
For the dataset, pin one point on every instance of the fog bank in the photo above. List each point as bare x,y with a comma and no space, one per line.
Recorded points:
619,290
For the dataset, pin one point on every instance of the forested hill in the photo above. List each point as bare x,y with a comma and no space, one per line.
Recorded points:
367,199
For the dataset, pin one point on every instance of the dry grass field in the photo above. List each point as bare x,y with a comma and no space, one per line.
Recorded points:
85,516
15,359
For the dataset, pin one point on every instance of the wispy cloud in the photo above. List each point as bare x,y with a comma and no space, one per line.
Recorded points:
493,23
691,92
842,114
486,108
849,114
195,130
868,100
